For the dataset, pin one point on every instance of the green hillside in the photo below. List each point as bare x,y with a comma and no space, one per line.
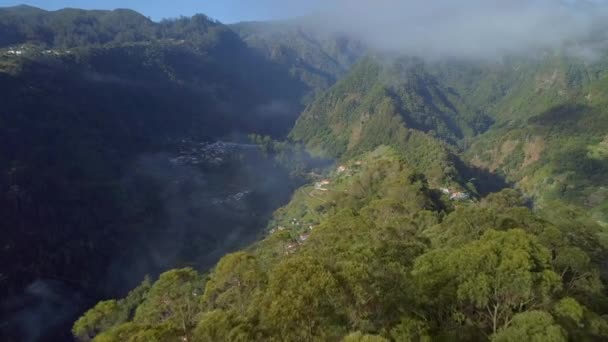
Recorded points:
540,123
86,135
402,239
317,58
373,195
380,256
553,149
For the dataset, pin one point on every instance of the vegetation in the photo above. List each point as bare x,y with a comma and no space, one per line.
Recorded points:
468,202
389,259
538,122
89,126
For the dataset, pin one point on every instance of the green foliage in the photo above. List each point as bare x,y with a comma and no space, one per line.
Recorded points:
569,308
534,326
173,301
132,332
379,251
316,58
359,337
110,313
69,28
387,258
411,330
234,282
100,318
303,301
97,95
490,280
220,325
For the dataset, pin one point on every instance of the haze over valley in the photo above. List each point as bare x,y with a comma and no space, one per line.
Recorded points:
349,171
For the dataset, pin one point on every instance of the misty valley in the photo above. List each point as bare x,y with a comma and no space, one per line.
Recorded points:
186,206
317,178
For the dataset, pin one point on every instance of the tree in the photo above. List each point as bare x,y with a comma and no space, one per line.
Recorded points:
303,302
569,308
411,330
490,280
133,332
220,325
507,198
108,314
173,300
359,337
531,326
233,282
100,318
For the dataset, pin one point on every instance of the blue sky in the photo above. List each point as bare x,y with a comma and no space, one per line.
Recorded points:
227,11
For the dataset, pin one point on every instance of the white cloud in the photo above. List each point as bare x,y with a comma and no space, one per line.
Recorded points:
469,28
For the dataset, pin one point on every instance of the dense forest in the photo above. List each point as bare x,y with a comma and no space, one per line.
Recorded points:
382,256
267,181
107,151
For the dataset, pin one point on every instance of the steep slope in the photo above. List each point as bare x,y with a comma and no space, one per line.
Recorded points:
107,172
394,102
317,58
72,27
533,121
549,117
91,178
388,259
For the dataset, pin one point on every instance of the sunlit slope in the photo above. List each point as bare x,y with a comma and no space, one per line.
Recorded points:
539,122
551,136
382,256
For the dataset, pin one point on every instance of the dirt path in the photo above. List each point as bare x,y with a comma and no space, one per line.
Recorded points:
310,194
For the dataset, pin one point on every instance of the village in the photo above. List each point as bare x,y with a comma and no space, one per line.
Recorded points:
205,153
455,195
324,185
31,50
293,246
232,199
36,50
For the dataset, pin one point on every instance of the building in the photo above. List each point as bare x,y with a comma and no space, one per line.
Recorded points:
459,196
303,237
291,248
320,185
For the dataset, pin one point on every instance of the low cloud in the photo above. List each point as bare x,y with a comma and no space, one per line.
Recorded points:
469,28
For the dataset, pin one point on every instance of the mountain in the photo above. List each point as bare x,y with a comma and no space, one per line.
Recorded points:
316,57
539,123
396,242
375,254
69,28
124,130
374,195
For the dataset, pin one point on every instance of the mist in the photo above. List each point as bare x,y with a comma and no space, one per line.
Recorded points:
46,308
200,201
482,29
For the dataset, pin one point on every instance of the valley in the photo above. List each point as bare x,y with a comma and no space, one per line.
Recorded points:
273,181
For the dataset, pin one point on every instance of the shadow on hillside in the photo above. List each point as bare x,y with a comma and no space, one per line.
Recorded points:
564,115
485,181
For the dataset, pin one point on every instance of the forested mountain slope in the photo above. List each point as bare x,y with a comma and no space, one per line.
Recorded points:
92,114
316,57
110,169
540,122
388,259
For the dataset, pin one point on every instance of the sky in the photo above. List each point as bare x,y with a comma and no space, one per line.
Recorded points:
227,11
